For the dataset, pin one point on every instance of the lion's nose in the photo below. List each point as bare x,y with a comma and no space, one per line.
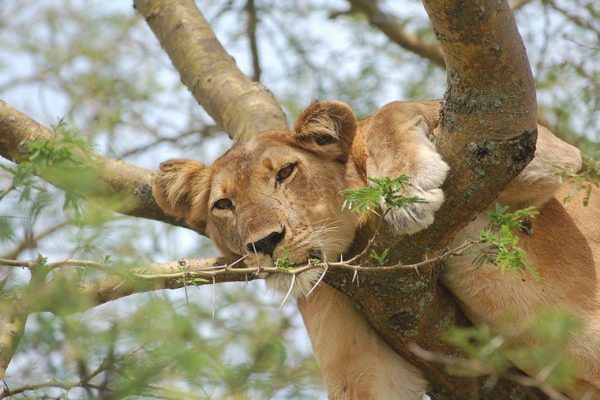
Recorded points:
267,244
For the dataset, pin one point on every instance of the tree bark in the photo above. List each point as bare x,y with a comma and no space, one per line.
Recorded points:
241,107
397,33
487,134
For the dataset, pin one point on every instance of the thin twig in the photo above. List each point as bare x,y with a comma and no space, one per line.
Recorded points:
252,24
318,280
216,270
289,292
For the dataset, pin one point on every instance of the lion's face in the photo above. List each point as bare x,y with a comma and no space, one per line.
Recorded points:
277,195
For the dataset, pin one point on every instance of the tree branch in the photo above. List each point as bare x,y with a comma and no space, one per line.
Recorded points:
113,179
242,107
119,283
487,134
395,31
517,4
574,18
251,31
30,242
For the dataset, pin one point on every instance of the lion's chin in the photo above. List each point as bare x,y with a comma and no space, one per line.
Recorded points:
300,286
282,282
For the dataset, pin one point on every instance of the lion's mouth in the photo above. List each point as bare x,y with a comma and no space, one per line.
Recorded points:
315,254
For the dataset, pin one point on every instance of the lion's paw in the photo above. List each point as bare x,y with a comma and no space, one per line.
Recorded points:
415,217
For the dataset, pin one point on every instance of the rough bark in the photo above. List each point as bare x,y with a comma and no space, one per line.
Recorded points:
397,33
128,185
241,107
487,134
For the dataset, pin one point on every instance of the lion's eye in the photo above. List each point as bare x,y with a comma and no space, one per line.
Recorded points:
285,172
223,204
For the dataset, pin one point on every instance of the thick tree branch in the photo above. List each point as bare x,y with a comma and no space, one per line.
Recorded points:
117,283
487,134
127,185
242,107
395,31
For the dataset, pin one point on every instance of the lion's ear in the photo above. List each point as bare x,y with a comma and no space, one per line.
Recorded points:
328,128
181,189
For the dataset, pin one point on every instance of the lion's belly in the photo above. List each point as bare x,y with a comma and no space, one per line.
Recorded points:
565,250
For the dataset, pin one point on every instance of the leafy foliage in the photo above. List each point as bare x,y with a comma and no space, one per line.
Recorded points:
48,157
380,191
495,352
502,240
167,348
584,180
283,263
380,257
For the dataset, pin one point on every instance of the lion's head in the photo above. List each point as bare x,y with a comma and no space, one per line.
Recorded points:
276,195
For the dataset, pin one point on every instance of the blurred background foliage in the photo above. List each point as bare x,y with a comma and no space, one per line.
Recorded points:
95,69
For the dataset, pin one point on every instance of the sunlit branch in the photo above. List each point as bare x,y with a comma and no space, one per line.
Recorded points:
517,4
397,33
242,107
114,179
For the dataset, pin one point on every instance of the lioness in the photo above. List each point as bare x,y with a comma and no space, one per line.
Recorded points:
279,194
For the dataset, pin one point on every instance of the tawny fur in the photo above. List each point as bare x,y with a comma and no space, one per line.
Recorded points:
330,151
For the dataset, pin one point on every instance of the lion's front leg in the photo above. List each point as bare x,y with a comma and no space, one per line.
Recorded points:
355,362
401,147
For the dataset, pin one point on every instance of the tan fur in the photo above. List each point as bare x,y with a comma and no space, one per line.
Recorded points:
330,152
356,363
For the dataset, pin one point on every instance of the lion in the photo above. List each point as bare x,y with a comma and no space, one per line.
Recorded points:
279,195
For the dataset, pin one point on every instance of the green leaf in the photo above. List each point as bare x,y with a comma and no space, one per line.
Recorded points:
503,243
388,190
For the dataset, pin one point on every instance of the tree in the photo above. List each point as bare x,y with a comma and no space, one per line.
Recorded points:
500,81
